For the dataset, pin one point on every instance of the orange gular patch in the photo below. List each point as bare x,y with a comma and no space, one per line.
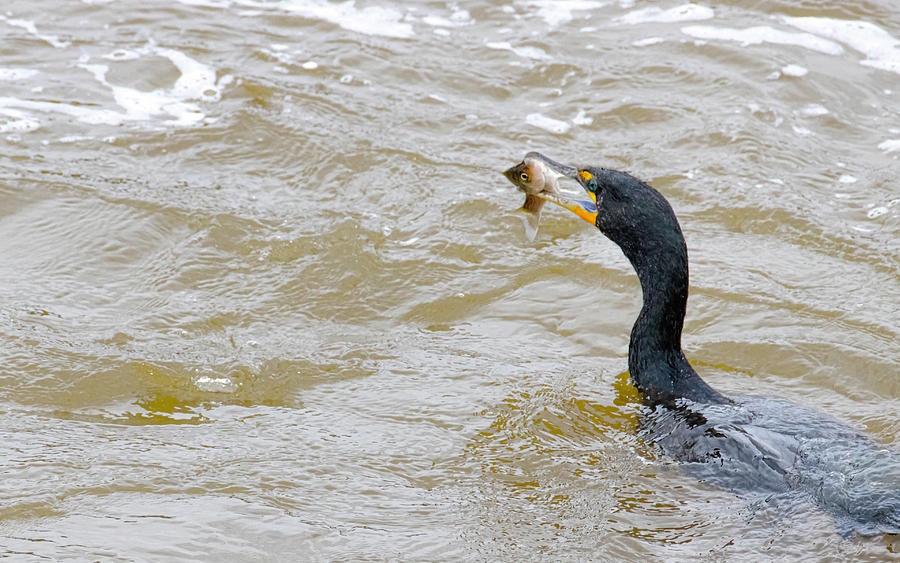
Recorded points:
588,213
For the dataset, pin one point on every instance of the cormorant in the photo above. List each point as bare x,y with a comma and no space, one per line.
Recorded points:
747,445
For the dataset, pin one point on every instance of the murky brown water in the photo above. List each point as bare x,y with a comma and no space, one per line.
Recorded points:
264,297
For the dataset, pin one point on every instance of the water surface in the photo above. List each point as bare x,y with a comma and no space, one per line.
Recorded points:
265,295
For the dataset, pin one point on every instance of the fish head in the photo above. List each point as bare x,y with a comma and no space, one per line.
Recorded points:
538,176
531,176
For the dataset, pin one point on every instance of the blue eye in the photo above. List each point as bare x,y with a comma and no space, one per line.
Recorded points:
592,185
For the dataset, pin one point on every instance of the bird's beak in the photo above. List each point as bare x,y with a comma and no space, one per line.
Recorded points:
581,202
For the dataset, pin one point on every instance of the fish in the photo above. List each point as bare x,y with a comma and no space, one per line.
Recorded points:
537,176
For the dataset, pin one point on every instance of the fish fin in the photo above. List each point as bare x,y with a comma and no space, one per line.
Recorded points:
533,204
531,220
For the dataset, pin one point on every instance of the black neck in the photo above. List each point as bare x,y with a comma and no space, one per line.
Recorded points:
656,362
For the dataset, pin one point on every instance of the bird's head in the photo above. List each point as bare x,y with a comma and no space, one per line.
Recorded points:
628,211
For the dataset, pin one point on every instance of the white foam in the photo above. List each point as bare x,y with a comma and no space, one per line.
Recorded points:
119,55
197,81
371,20
814,110
794,70
281,54
880,47
461,16
12,74
890,145
877,212
764,34
80,113
74,138
847,179
458,18
653,14
438,21
548,123
15,121
143,106
207,3
526,52
215,384
558,12
647,42
32,29
582,118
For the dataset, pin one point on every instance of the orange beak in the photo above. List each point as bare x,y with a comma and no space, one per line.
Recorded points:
583,204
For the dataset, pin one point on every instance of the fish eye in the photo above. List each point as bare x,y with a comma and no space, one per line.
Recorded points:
523,176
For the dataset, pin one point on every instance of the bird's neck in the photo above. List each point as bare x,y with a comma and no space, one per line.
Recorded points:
656,362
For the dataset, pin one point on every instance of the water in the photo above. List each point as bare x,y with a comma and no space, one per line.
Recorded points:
264,295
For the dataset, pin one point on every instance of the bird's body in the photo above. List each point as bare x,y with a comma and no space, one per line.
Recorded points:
747,445
786,454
